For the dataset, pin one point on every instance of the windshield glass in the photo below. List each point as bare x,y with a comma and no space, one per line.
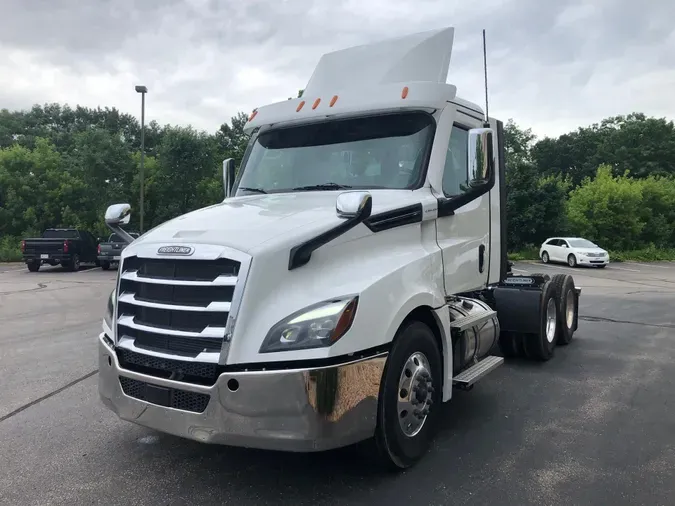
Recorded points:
60,234
384,151
582,243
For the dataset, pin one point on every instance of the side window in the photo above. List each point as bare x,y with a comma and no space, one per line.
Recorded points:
553,242
456,170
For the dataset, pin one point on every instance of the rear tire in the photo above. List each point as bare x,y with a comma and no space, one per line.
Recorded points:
33,266
568,307
541,346
406,420
105,265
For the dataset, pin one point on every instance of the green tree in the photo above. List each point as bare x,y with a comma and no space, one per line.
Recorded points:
607,210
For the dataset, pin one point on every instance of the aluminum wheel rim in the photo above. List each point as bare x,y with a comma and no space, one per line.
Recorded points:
545,257
570,309
551,320
414,394
570,261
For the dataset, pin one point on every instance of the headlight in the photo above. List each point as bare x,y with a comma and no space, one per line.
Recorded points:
110,310
316,326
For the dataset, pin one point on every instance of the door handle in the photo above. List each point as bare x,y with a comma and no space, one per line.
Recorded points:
481,258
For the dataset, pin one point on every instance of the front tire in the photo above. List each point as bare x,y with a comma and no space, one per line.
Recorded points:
544,257
410,397
572,260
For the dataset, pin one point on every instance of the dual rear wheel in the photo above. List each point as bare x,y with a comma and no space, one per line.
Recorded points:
557,322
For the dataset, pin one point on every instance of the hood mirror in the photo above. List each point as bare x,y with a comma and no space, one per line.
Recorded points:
228,176
354,204
116,216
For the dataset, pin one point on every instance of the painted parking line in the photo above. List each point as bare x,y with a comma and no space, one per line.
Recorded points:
520,270
558,267
625,269
650,265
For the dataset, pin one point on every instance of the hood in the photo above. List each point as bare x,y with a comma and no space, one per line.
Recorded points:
243,223
590,250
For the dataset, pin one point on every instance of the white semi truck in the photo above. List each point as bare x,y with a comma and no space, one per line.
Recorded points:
355,273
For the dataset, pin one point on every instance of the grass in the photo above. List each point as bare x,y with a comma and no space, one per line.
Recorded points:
10,249
650,254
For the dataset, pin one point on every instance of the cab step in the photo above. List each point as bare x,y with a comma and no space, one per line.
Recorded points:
462,324
471,375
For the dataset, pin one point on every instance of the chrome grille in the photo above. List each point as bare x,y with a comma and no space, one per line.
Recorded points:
175,307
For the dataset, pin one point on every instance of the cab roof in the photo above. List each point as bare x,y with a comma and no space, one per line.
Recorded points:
408,72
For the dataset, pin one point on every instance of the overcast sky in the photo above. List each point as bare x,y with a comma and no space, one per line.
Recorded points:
553,64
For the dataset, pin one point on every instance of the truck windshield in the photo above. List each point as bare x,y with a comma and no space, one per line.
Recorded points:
383,151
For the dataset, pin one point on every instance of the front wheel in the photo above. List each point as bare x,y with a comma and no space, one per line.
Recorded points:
572,260
544,257
410,397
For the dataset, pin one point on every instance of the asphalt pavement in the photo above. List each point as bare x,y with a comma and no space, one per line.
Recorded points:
593,426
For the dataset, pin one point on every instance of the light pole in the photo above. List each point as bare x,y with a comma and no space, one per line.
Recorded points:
142,90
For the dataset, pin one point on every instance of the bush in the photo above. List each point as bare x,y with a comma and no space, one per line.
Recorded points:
10,249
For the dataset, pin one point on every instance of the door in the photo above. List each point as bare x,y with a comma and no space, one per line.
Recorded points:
463,224
551,247
563,250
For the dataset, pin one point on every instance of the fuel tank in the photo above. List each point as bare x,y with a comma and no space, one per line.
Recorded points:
476,342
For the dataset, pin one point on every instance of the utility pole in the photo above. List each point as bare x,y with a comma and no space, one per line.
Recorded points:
142,90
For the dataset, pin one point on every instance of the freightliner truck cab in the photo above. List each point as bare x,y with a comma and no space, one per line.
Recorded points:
354,274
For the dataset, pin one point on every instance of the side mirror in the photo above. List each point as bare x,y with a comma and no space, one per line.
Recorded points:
118,214
481,157
353,204
228,176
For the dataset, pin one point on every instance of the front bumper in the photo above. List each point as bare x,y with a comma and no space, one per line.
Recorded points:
592,260
300,410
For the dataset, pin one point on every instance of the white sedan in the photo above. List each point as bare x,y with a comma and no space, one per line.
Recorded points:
573,251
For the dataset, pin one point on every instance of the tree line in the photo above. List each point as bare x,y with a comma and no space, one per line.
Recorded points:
612,182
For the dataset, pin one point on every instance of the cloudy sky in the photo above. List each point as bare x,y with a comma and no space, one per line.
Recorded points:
553,64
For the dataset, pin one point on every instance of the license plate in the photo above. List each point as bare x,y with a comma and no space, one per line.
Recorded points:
157,395
116,258
44,255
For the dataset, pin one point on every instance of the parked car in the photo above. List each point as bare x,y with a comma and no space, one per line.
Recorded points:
66,246
573,251
109,252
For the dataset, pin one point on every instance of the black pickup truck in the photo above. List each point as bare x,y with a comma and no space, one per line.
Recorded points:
66,246
109,252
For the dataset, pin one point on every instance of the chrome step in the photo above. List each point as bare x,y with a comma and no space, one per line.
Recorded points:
472,320
477,371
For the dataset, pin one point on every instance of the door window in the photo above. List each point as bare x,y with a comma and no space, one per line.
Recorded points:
456,170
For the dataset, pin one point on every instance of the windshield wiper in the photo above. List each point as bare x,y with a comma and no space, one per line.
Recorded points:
254,190
323,186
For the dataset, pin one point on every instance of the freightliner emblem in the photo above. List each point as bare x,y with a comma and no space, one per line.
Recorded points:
175,250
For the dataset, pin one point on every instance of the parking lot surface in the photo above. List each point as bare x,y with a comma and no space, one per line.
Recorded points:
593,426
